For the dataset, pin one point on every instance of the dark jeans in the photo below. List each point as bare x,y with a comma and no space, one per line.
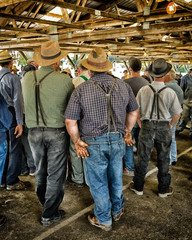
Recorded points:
152,134
13,161
49,147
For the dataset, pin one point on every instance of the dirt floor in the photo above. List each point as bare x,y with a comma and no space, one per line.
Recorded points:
146,217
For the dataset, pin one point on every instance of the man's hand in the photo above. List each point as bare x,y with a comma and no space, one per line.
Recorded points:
128,139
18,131
81,149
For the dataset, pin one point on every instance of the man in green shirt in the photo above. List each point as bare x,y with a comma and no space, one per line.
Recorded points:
46,93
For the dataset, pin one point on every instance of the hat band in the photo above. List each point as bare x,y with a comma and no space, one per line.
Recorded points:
99,65
51,57
6,59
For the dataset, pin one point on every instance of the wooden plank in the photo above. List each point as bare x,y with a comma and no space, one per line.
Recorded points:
73,13
5,3
20,18
82,9
28,13
34,14
139,5
79,13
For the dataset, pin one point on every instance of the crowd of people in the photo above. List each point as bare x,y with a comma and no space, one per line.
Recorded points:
49,119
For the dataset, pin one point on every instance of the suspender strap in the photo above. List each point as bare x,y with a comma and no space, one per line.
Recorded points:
109,109
83,77
156,100
4,75
37,98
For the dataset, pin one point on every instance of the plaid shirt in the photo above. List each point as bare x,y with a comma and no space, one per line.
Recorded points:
88,105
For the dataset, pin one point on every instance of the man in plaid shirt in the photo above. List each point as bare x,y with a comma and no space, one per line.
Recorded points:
99,118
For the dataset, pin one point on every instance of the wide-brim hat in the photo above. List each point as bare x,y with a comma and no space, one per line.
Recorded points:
66,70
5,56
48,54
159,68
97,61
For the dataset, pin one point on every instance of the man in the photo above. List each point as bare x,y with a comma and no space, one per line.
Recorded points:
83,75
159,111
46,93
101,106
172,83
136,82
77,176
14,101
186,85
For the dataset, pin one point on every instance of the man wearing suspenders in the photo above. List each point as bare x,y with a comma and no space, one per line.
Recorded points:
46,93
95,119
159,110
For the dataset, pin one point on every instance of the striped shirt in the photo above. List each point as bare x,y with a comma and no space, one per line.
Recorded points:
88,105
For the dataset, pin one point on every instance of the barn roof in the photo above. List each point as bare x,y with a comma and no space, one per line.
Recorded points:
142,28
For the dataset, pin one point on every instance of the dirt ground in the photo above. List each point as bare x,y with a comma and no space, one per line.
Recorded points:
146,217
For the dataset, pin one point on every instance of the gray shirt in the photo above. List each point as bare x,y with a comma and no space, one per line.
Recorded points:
168,102
136,83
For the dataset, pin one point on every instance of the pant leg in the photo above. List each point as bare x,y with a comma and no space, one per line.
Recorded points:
129,157
185,118
3,153
173,150
15,156
163,143
77,166
145,147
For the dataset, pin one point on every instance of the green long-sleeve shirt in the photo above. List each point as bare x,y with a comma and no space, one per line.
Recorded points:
55,91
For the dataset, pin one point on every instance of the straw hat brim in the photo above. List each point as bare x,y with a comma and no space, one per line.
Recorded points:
46,62
107,67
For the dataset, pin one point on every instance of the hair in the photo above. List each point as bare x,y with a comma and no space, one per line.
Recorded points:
28,68
135,64
3,64
172,74
125,71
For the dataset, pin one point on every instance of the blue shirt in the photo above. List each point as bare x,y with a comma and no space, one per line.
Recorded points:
88,105
5,119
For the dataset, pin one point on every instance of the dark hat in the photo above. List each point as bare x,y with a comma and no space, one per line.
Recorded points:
159,68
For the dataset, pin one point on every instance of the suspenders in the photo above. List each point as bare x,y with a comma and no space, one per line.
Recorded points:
37,98
155,100
109,110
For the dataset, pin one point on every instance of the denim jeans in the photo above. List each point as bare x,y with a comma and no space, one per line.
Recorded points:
3,153
152,134
76,164
27,154
49,147
186,117
103,174
13,161
173,150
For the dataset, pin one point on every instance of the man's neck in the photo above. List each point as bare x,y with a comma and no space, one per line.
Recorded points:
159,79
135,74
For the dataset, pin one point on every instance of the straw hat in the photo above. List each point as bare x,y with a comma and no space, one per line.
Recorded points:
66,70
159,68
97,61
5,56
48,54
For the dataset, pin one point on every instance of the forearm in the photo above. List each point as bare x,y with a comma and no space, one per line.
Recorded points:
73,130
131,119
174,119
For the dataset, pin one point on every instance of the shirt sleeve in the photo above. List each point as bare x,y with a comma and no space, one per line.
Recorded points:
73,110
132,104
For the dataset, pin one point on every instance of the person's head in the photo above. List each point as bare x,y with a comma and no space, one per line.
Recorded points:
33,63
67,71
97,61
80,67
6,59
14,70
76,73
49,54
146,73
159,68
28,68
125,72
134,64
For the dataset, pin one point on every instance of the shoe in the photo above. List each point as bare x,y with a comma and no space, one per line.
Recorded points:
173,163
19,186
132,188
32,174
25,173
190,178
118,216
48,221
3,220
2,186
93,220
72,183
170,192
129,173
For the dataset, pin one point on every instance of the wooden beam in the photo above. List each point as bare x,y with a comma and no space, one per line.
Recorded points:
28,13
139,5
5,3
82,9
34,14
79,13
23,30
20,18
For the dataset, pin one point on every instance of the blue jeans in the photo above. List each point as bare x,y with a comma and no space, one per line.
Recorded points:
14,158
49,147
186,116
173,150
3,153
103,174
